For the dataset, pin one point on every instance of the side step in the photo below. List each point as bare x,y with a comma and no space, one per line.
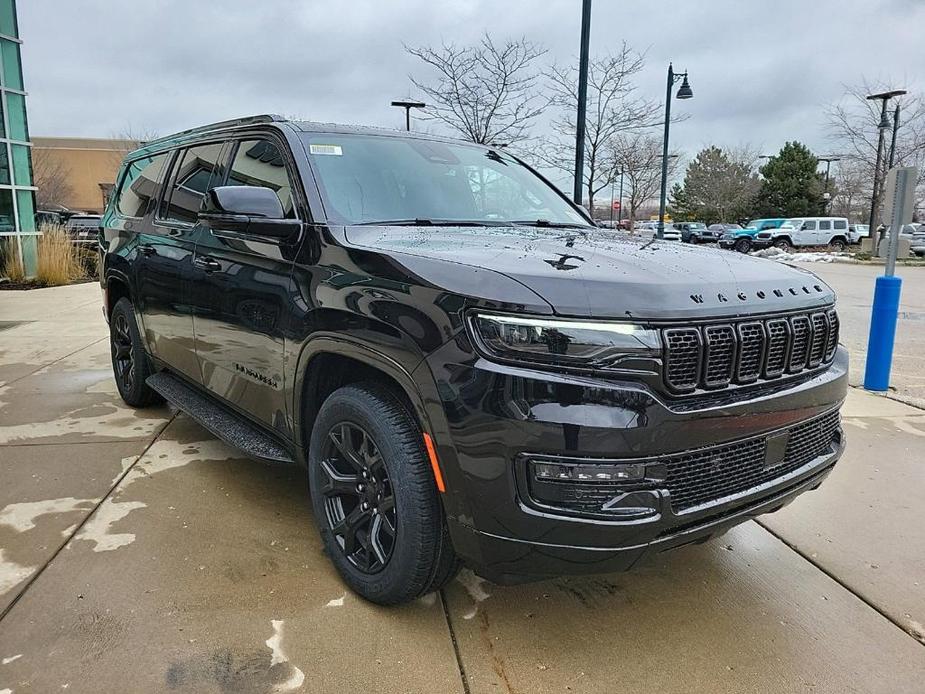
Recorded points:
226,425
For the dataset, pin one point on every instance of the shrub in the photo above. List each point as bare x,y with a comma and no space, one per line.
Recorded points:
11,266
58,259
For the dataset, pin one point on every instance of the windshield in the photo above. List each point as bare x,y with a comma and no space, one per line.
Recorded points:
792,224
366,179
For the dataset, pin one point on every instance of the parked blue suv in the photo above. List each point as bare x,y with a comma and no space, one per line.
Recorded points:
741,239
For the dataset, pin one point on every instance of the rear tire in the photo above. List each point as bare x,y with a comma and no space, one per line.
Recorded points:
838,245
130,365
374,497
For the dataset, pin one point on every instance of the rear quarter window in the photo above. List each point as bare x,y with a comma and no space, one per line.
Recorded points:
139,185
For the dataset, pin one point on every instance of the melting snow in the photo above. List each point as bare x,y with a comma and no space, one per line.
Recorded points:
98,528
473,586
21,516
275,644
337,602
11,574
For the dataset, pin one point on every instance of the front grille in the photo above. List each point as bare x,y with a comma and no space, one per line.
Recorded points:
699,477
717,355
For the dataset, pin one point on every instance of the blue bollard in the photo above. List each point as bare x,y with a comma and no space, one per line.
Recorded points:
883,318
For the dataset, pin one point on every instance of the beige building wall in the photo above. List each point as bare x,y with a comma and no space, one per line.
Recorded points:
90,164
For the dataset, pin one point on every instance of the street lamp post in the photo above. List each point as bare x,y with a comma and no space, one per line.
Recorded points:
684,92
582,101
408,105
884,125
895,129
613,184
826,197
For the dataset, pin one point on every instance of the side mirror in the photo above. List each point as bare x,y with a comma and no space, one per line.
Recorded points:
249,210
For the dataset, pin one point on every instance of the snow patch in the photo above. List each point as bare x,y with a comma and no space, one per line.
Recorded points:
275,644
337,602
21,517
98,528
12,574
797,257
473,586
7,661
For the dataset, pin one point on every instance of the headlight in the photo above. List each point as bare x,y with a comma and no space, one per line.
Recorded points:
587,344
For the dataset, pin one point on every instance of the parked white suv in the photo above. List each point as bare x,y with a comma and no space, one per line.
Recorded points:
806,231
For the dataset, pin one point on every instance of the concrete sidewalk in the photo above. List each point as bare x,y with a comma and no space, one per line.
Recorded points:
137,553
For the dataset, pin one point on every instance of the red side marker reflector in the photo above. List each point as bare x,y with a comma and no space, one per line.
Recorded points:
435,466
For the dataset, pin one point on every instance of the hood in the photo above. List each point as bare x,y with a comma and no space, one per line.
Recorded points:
603,274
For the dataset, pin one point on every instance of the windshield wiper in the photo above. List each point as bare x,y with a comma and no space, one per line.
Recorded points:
424,222
545,223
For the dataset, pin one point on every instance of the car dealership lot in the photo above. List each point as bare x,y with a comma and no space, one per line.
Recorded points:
140,554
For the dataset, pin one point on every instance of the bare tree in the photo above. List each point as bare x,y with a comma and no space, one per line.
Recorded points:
853,131
639,156
486,92
613,108
851,186
52,179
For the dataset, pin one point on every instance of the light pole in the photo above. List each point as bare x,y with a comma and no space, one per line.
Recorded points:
582,101
884,125
826,197
684,92
613,184
408,105
893,142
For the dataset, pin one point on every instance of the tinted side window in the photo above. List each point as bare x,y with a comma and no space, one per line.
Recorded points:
193,174
841,224
825,225
260,163
139,185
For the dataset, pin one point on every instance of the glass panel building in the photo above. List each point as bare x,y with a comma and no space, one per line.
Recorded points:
17,190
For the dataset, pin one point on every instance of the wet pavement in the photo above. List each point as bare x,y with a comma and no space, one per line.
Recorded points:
137,553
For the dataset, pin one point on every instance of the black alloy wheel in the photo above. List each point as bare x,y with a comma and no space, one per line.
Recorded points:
358,500
130,365
122,359
743,245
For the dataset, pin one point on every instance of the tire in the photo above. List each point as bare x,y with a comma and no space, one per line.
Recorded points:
742,245
838,245
783,244
367,448
130,365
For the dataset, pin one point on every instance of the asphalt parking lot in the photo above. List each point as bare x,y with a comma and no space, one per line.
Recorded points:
137,553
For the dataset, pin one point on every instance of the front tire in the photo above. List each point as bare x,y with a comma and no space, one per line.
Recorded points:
783,244
130,365
742,245
374,497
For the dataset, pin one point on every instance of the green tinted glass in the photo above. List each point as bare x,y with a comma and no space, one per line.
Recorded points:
22,165
8,18
4,165
25,201
12,68
16,105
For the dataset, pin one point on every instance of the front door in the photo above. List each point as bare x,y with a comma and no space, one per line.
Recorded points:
808,235
242,292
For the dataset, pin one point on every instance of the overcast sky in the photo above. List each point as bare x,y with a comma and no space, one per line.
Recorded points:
762,70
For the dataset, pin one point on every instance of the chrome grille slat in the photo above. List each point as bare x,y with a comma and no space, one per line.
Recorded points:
716,355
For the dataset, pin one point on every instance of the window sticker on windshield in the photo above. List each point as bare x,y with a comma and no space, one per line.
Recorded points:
331,150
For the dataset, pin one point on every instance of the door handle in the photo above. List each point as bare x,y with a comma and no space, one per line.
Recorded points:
207,264
147,250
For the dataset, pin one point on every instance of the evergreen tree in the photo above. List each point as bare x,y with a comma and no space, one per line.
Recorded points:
716,188
791,185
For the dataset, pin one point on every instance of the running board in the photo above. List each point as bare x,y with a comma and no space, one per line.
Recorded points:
225,424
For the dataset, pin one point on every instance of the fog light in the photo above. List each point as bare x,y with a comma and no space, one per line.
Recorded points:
581,472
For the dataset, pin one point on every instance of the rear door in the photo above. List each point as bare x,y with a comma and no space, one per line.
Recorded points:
824,233
166,254
161,262
242,292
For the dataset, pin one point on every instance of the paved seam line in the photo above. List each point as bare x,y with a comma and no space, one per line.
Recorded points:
45,366
73,443
459,662
34,577
843,584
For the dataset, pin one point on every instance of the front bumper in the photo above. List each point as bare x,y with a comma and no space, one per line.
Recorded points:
495,414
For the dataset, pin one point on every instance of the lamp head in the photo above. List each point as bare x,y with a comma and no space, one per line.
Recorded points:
685,91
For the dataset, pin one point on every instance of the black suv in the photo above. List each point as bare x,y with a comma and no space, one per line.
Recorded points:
470,370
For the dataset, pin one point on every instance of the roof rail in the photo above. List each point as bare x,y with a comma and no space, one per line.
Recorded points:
245,120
